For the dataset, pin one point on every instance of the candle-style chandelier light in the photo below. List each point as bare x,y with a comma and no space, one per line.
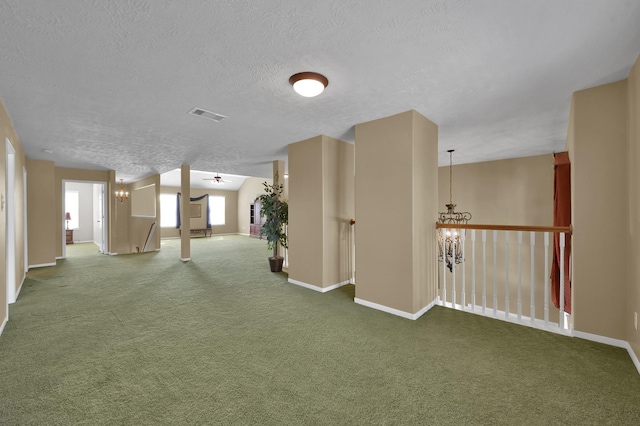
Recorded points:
121,194
450,244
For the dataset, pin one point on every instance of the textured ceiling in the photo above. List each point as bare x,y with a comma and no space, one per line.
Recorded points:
108,84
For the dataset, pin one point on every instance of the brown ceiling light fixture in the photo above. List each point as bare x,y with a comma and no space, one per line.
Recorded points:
308,84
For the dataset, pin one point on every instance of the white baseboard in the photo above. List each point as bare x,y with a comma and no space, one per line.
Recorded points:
113,254
394,311
185,259
20,288
60,257
316,288
4,322
244,235
42,265
612,342
157,249
601,339
633,356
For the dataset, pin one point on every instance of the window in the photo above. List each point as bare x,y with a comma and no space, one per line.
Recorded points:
216,210
168,217
71,206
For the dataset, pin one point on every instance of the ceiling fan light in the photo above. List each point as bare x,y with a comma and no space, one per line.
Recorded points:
308,84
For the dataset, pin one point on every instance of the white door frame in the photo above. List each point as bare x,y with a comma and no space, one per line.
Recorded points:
104,210
10,234
26,228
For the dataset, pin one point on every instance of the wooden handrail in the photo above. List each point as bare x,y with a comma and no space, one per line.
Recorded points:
565,229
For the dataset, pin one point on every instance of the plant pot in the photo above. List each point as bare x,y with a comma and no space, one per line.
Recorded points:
276,263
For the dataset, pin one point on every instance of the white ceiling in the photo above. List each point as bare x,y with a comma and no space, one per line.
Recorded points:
108,84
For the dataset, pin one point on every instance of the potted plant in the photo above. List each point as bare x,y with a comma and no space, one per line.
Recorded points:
276,214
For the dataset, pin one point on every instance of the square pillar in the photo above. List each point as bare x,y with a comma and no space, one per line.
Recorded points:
185,216
396,210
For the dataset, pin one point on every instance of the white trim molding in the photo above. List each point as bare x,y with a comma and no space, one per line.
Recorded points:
611,342
601,339
4,322
20,288
633,356
42,265
316,288
394,311
186,259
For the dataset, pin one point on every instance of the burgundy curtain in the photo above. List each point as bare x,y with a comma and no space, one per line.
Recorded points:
561,217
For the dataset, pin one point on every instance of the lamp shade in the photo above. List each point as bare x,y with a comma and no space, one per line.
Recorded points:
308,84
67,216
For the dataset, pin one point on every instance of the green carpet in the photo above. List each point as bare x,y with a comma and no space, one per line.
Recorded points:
147,339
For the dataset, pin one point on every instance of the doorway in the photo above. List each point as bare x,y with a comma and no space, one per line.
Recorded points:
84,214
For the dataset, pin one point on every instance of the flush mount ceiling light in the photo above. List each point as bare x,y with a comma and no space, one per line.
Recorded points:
308,84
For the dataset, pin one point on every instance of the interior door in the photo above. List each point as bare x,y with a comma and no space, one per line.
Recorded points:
102,208
99,223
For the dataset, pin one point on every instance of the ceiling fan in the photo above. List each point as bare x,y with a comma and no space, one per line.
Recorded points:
217,180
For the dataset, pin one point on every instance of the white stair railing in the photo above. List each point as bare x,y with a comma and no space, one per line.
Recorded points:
511,297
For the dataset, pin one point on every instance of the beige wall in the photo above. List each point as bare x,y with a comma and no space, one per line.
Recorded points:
230,214
321,184
306,211
42,212
139,227
633,290
517,191
599,163
8,132
425,206
387,220
250,189
338,199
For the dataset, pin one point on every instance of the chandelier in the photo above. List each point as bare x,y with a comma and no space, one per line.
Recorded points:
450,248
121,194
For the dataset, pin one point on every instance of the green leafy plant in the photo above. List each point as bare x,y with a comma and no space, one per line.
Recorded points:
276,214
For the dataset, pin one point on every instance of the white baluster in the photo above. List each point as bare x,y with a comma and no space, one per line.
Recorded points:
561,319
532,306
495,283
546,279
463,299
519,275
453,269
443,290
506,276
484,270
473,269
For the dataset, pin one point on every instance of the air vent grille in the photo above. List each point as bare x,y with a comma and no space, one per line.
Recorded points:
207,114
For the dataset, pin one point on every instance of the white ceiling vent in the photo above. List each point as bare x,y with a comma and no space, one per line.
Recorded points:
207,114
